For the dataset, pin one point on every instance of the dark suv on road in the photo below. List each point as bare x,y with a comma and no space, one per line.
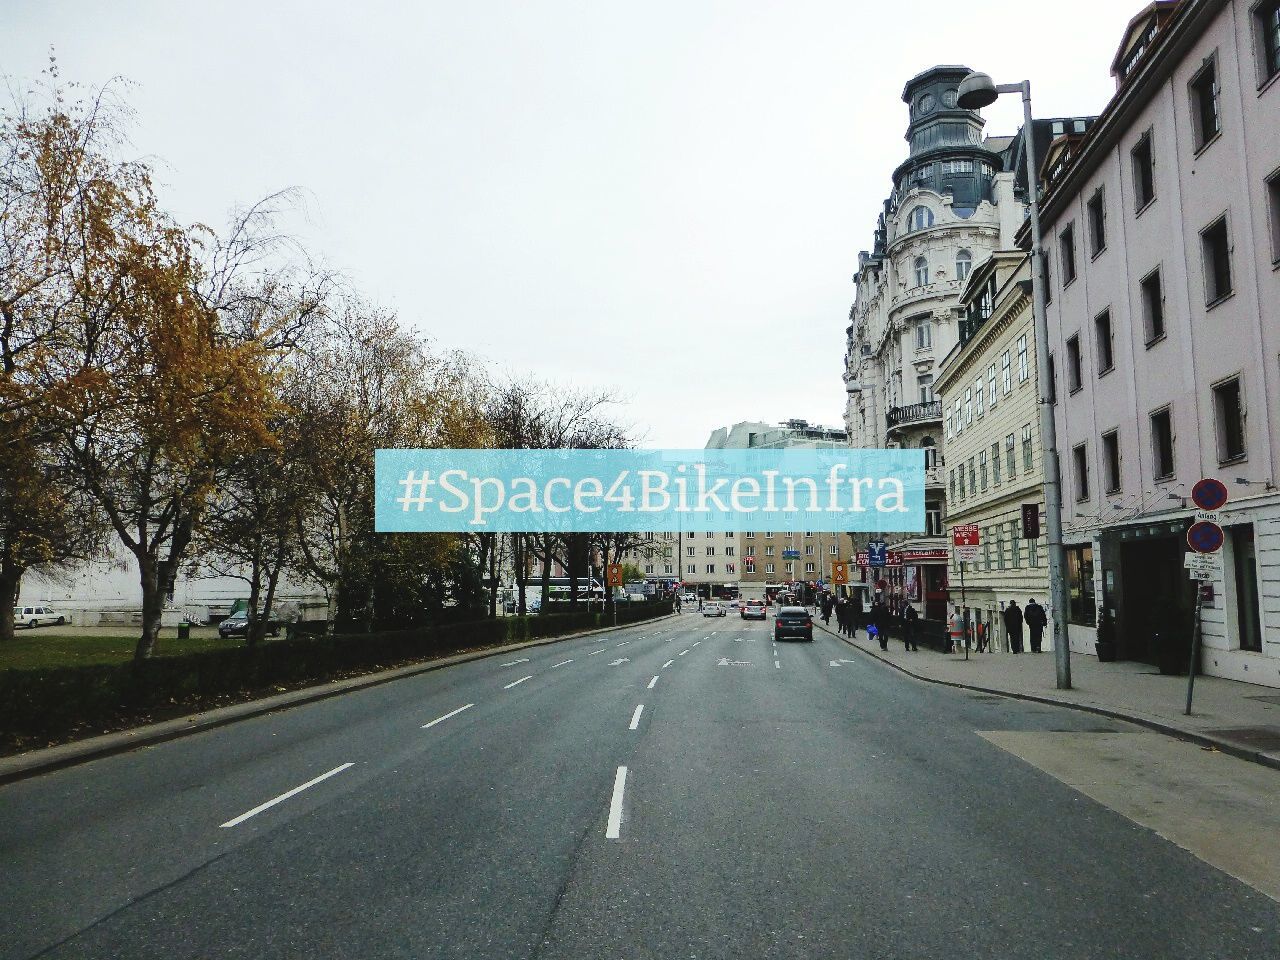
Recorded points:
793,623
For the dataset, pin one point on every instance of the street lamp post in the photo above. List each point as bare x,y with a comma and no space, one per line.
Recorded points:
977,90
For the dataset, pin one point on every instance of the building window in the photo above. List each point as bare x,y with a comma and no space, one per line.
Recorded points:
1027,453
982,470
750,567
924,334
958,418
922,271
1162,444
977,396
834,550
1144,176
648,568
1080,464
973,476
730,568
729,551
710,535
1111,460
1024,360
1080,586
1273,206
768,550
1053,380
691,551
1010,456
1102,334
1067,241
947,424
921,218
1075,377
1097,223
1205,116
667,569
1152,307
1268,20
1006,369
924,383
964,263
809,568
1216,248
1229,413
1047,276
692,568
808,549
711,551
749,536
968,406
711,568
991,384
951,479
768,568
995,462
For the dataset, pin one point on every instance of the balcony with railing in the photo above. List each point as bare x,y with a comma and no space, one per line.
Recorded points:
914,413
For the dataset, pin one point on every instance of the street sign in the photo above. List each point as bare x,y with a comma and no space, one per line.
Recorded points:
877,553
965,535
1205,537
966,554
892,559
1209,494
614,575
1208,563
1031,521
1207,516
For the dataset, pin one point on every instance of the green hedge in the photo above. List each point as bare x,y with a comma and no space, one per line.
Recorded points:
49,705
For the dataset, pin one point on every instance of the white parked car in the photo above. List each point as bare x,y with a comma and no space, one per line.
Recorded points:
713,609
36,616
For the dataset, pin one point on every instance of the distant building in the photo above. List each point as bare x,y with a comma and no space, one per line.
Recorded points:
1162,240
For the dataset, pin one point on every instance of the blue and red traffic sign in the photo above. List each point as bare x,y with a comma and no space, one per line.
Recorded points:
1209,494
1205,537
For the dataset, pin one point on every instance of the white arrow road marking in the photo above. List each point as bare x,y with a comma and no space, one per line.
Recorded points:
284,796
514,662
667,664
635,717
836,663
560,664
615,805
653,682
619,661
451,713
726,662
515,682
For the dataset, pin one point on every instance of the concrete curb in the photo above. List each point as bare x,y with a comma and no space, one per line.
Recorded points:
1204,740
35,762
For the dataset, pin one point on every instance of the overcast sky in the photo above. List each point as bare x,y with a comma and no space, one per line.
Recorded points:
666,199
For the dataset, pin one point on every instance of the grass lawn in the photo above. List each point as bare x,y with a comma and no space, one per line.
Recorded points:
63,647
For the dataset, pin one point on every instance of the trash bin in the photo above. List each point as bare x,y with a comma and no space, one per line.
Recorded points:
184,631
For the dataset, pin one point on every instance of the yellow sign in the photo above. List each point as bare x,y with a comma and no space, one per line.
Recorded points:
839,573
614,577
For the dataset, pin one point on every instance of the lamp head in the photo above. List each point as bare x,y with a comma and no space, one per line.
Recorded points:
976,91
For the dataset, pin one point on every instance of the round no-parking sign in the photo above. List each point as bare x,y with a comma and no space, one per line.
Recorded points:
1209,494
1205,537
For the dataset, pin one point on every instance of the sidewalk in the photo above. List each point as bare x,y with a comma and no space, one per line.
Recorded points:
1237,718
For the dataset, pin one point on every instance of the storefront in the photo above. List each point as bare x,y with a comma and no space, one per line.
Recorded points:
1144,588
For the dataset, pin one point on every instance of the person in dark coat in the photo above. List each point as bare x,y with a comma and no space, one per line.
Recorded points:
1036,620
1012,615
827,604
909,618
880,617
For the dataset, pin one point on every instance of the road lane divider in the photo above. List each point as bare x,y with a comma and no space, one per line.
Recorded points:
682,653
635,718
451,713
594,652
515,683
667,664
512,663
653,683
560,664
285,796
614,827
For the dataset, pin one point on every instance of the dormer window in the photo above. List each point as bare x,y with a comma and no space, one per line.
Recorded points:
1137,51
921,218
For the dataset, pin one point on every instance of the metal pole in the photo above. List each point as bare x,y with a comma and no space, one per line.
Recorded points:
1048,429
964,613
1195,646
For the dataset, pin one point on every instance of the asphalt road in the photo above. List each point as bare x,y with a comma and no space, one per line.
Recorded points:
763,803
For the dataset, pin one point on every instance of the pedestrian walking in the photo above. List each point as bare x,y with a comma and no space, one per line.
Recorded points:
955,630
1036,619
827,604
880,620
1013,625
980,632
909,618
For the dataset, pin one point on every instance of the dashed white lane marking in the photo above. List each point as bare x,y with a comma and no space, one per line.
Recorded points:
515,682
667,664
652,683
514,662
451,713
682,653
624,643
560,664
777,664
284,796
696,642
615,805
594,652
635,718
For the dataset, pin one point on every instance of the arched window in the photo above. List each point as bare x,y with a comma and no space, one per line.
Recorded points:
922,271
964,263
921,217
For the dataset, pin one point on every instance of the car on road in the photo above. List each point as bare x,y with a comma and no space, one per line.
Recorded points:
688,598
713,609
237,625
36,616
793,623
752,610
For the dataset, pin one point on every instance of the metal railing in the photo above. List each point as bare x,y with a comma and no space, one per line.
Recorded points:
897,416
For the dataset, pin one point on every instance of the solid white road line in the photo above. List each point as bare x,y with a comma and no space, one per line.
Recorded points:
560,664
653,683
635,718
284,796
594,652
451,713
514,662
515,682
667,664
615,805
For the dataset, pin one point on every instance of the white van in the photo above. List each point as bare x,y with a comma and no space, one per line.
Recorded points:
36,617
